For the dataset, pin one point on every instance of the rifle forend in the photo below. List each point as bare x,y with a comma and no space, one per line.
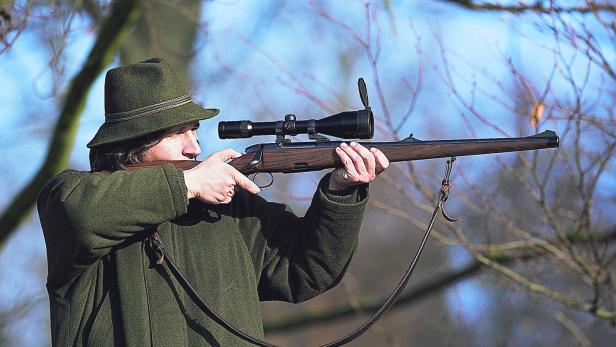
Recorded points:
314,156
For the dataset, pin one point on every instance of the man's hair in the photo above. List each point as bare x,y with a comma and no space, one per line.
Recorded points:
115,156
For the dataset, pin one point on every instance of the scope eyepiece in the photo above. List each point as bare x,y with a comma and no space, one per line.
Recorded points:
346,125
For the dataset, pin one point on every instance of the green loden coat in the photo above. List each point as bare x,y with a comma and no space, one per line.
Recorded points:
104,289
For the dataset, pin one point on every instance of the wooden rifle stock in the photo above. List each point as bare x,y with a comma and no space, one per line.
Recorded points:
314,156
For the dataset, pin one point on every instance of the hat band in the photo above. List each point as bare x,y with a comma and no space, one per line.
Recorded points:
144,111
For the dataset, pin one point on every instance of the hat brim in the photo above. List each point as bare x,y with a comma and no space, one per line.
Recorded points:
136,127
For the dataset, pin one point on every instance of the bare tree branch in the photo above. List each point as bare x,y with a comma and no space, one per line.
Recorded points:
535,7
112,31
443,281
343,311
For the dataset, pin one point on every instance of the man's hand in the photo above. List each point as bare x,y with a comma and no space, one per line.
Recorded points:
360,166
213,181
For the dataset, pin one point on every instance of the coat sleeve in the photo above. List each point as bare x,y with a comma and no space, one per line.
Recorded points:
85,214
297,258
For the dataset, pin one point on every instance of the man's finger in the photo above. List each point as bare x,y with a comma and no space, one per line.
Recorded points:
349,168
244,182
219,197
226,154
358,161
369,160
382,162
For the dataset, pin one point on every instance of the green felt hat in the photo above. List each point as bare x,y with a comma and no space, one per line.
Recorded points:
144,98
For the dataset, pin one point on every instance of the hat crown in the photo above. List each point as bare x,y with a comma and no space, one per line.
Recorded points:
144,98
136,86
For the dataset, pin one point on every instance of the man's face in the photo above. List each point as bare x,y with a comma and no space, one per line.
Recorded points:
179,146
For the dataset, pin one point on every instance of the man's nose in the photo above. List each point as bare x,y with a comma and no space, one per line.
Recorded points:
191,147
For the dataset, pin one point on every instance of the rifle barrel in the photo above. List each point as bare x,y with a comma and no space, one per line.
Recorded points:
455,148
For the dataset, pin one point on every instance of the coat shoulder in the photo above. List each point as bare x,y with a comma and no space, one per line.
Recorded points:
62,184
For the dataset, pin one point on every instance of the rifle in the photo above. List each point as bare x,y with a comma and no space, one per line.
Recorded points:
314,156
